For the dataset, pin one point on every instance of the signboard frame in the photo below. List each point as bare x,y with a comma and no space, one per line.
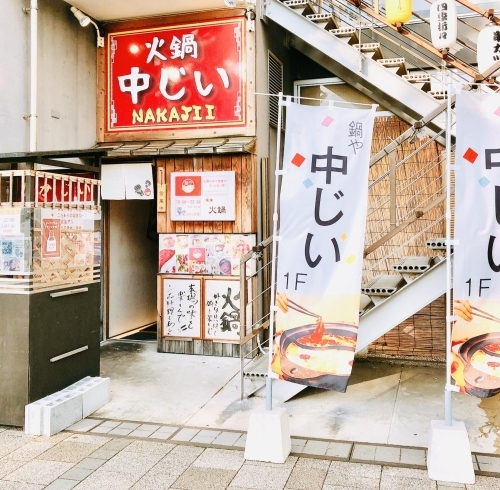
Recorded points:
245,127
220,207
183,279
213,280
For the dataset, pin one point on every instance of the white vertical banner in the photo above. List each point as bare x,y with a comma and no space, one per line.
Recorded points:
475,363
323,205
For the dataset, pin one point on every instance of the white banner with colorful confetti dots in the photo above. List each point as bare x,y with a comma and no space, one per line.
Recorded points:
476,283
323,204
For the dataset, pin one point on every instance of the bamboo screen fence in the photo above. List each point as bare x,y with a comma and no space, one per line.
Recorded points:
419,181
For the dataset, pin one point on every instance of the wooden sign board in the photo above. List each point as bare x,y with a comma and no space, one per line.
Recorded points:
222,309
181,307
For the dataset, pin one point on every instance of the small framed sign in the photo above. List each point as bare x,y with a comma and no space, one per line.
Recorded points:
181,307
202,196
222,309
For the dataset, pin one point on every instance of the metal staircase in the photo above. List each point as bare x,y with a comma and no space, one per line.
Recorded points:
356,64
396,282
396,66
408,293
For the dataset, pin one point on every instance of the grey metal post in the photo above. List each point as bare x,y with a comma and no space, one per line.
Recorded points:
448,417
269,381
243,321
392,181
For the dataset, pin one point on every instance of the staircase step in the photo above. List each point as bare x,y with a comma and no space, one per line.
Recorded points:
303,7
421,80
438,94
370,50
346,34
395,65
437,243
325,21
412,267
257,367
417,265
383,285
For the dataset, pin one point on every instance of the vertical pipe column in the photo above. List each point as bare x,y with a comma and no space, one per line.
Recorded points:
392,182
269,380
447,397
33,73
243,321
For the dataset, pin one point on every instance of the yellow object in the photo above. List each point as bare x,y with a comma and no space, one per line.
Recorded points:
398,11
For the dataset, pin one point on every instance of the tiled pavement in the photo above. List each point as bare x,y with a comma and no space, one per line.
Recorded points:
116,455
488,465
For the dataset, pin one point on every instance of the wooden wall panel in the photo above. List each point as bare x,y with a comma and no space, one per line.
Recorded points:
244,166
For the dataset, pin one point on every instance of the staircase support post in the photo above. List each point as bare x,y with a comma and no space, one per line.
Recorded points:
392,181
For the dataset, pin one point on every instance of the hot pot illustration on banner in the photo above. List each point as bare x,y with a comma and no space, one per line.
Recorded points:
475,349
323,204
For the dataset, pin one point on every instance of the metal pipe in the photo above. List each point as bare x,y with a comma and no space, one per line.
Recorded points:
243,320
392,179
269,381
33,73
447,399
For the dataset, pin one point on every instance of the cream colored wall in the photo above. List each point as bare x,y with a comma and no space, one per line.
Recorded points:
133,265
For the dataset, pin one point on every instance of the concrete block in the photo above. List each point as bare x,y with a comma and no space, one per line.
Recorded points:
78,384
62,412
268,437
95,395
33,415
49,415
449,457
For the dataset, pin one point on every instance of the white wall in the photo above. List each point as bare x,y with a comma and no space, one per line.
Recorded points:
66,78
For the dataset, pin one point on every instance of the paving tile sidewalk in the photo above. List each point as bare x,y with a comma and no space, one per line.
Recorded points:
91,461
486,465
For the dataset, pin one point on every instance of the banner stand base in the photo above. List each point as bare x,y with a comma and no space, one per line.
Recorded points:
449,456
268,437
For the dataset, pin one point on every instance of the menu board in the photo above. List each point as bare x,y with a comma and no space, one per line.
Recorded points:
202,196
217,254
181,308
222,309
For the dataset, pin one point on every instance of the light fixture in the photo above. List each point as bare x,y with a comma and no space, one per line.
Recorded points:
84,21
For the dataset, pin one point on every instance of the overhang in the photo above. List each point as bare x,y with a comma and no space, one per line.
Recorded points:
110,10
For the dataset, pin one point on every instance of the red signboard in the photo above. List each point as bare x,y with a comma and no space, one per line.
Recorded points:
176,77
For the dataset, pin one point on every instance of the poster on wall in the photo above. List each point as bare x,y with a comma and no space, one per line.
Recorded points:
51,238
12,257
217,254
202,196
476,265
323,205
222,309
10,221
181,307
69,236
177,77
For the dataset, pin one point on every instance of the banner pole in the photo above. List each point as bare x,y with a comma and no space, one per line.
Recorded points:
448,417
269,379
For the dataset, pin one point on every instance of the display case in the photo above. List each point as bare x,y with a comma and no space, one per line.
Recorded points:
50,294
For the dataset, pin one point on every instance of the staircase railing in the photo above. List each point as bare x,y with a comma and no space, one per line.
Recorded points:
368,17
255,297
